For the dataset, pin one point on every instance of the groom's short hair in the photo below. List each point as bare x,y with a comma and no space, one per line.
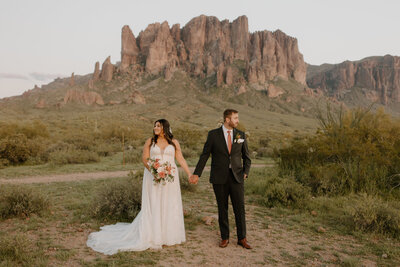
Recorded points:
229,112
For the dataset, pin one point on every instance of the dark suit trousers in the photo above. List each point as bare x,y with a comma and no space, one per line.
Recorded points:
236,191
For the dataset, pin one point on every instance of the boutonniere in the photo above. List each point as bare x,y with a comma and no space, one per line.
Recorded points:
238,139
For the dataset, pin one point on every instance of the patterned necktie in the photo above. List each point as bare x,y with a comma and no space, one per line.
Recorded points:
229,142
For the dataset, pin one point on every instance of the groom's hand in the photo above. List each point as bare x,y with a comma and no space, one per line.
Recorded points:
245,176
193,179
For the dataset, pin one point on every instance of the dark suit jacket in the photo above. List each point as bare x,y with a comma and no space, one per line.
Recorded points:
216,146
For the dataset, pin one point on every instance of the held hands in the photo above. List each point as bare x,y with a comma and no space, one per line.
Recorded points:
193,179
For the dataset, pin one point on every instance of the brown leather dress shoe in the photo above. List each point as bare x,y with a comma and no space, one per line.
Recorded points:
243,243
224,243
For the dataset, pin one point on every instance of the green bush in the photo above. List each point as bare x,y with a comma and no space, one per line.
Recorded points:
285,192
14,248
276,191
362,212
21,201
30,130
372,214
353,151
189,153
188,137
18,250
263,152
17,149
59,146
114,132
82,140
120,200
106,149
73,156
4,163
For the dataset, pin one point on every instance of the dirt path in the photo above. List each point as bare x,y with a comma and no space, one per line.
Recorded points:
275,241
70,177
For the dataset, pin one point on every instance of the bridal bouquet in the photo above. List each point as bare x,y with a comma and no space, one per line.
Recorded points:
162,172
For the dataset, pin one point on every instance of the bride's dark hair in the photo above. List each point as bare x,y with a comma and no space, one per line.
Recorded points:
167,132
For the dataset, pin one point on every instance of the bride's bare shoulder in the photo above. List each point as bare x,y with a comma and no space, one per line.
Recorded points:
175,141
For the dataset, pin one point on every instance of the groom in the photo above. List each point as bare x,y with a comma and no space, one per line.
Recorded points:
228,147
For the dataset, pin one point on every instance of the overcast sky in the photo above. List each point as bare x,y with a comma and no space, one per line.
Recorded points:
44,39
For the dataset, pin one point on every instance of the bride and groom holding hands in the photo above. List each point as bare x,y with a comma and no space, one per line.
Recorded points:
160,220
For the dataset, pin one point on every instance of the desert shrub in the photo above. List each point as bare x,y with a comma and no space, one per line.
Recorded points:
106,149
358,212
114,132
275,190
38,151
15,248
18,250
264,141
59,146
15,148
21,201
133,156
286,192
20,143
119,200
73,156
4,163
189,152
188,137
372,214
30,130
81,140
263,152
259,144
18,148
353,151
184,182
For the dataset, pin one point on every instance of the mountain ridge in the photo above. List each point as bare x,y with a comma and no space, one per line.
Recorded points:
218,56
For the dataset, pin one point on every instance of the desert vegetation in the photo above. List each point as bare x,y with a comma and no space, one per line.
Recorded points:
347,172
330,196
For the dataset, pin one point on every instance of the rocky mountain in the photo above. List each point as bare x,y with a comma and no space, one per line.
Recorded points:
208,59
377,77
219,54
208,47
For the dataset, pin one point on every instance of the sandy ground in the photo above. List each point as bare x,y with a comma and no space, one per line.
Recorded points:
274,242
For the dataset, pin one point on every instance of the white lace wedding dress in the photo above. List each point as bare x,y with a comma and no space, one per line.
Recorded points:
160,221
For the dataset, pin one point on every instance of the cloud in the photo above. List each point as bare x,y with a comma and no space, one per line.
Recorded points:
33,76
45,76
14,76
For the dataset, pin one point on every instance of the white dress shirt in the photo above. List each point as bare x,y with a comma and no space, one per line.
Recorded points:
226,138
226,135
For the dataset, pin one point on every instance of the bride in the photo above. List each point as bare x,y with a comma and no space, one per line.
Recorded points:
160,221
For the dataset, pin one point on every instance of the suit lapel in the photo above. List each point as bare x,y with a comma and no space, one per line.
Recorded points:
222,137
233,138
234,144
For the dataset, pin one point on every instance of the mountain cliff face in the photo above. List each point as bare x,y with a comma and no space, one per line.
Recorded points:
379,76
206,46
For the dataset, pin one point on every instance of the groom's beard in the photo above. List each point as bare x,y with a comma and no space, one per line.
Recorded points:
231,124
